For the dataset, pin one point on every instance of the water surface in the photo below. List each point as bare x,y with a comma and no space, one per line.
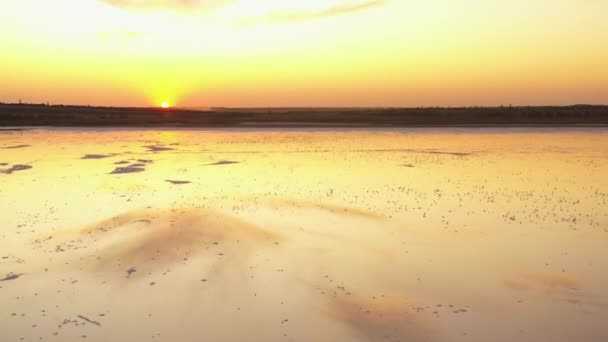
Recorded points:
304,234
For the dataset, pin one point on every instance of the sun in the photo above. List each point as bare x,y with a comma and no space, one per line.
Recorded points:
164,105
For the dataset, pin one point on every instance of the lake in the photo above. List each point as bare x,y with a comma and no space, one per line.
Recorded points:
304,234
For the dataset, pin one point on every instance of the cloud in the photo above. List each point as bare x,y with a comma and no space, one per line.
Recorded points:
254,11
343,7
168,4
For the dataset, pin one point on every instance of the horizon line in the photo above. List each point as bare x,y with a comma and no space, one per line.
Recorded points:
48,104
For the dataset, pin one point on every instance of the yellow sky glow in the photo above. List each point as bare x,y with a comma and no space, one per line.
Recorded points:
304,53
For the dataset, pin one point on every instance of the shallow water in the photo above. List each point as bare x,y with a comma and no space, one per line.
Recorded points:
320,234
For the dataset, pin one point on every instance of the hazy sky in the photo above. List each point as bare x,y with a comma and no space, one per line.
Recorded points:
304,53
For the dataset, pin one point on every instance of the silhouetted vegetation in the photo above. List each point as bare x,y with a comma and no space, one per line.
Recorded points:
59,115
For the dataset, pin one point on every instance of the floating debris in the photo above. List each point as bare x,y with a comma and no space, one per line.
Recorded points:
11,276
123,170
158,148
223,162
131,271
177,182
97,156
89,320
14,147
16,168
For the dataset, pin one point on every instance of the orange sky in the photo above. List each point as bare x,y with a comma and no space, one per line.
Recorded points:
304,53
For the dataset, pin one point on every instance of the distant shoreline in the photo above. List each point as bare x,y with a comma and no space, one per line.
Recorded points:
28,115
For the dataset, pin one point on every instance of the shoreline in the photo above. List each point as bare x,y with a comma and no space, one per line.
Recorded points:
298,126
20,115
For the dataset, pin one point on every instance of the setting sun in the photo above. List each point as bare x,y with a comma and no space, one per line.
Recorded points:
316,170
243,53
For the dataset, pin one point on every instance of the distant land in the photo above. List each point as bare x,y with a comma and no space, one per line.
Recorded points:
18,115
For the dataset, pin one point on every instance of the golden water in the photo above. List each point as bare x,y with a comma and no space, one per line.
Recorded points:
304,235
